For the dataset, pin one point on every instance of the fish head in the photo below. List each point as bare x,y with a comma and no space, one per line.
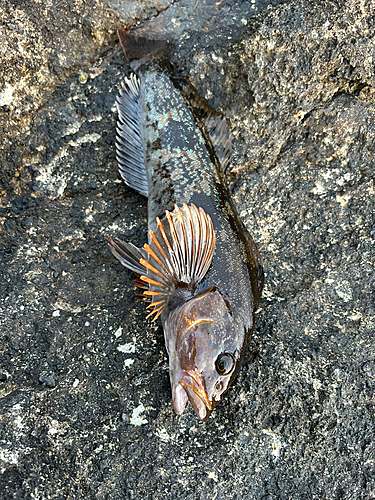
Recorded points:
204,352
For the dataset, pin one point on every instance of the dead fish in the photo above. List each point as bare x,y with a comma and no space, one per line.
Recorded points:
200,270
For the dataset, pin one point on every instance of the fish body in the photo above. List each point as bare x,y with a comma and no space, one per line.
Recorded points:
201,268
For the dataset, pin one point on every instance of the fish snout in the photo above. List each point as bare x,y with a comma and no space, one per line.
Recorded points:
195,388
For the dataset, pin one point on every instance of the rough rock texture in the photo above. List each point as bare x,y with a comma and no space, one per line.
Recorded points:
86,406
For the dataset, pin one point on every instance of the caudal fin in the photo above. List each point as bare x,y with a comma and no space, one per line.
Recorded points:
140,50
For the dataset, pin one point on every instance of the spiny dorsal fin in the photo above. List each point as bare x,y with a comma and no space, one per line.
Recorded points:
179,254
212,123
129,146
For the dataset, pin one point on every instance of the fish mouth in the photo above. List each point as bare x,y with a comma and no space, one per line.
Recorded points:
195,388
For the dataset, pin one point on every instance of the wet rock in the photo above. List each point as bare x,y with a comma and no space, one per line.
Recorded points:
297,83
48,381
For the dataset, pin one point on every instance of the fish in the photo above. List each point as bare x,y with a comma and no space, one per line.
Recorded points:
200,271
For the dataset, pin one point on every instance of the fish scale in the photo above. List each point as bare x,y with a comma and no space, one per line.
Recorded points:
201,270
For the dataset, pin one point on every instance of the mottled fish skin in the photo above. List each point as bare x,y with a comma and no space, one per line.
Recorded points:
182,168
178,163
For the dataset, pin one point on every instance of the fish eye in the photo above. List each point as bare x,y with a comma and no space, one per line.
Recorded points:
224,363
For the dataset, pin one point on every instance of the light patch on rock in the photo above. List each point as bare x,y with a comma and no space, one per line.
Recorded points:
89,218
72,128
6,96
54,428
276,444
75,235
58,433
32,251
115,227
343,199
344,291
208,94
51,181
345,178
93,137
317,385
65,306
216,58
126,348
356,316
32,231
319,189
118,332
95,118
137,418
62,59
212,475
311,332
267,292
8,456
128,362
18,422
163,435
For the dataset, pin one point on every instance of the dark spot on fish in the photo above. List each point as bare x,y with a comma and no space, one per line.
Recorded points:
219,386
156,144
181,295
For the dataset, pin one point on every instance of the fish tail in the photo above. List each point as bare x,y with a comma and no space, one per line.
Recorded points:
140,50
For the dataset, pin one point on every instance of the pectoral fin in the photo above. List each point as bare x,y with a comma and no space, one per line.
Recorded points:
179,254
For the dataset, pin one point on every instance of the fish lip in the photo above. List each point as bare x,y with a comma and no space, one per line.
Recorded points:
195,388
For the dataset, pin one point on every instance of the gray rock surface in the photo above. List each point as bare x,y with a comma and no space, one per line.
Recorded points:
85,408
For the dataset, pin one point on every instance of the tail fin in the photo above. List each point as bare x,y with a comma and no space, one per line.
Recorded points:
140,50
